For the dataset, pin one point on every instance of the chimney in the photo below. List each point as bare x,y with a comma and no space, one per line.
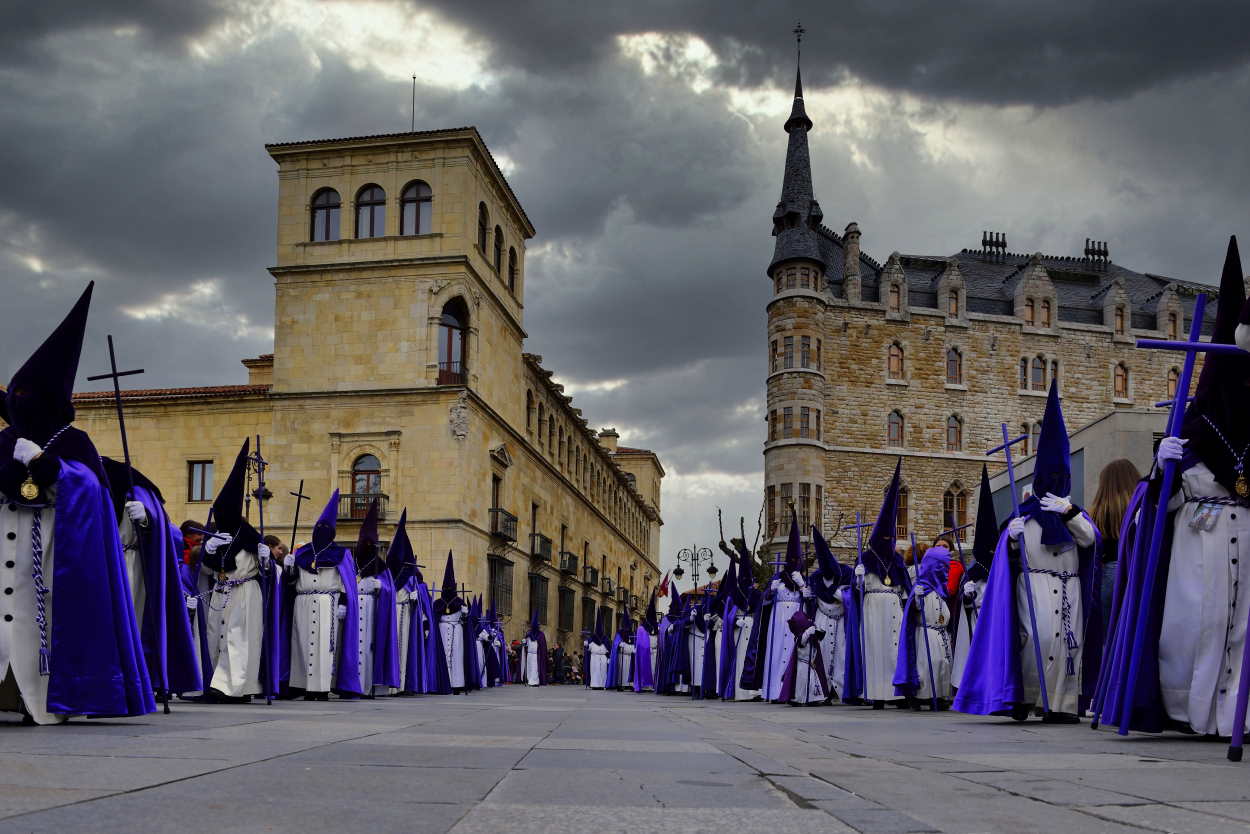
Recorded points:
850,273
608,439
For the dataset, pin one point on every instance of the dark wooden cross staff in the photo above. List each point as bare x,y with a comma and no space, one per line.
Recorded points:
300,497
162,637
271,625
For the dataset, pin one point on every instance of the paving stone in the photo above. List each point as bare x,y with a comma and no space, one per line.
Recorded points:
881,821
1169,818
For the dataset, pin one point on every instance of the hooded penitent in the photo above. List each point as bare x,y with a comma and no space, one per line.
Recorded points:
323,552
1216,426
831,574
930,578
89,654
645,636
369,563
449,601
228,516
879,556
1052,474
986,532
368,558
400,559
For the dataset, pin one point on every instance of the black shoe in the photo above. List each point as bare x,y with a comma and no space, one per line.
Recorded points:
878,704
1020,712
1060,718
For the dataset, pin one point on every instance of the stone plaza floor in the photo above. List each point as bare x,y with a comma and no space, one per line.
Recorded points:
564,759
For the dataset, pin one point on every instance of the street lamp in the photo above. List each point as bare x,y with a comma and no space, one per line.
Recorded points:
695,556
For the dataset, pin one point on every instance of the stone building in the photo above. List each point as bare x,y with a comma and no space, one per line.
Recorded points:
398,373
924,357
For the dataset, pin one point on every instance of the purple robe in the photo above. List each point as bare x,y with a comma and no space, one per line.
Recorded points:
728,659
385,636
789,678
644,675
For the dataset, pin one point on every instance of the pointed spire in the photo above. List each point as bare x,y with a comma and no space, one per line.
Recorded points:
798,115
798,215
39,400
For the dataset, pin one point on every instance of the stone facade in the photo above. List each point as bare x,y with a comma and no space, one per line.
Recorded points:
369,390
925,357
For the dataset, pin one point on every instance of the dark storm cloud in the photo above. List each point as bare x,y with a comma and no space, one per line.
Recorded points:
979,50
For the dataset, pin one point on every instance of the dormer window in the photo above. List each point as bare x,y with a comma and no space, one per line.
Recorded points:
952,304
1029,312
895,298
1174,381
1121,381
1173,326
1119,321
1045,312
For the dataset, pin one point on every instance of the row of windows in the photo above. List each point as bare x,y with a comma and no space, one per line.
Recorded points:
781,424
572,455
782,354
777,499
495,253
896,364
415,212
798,277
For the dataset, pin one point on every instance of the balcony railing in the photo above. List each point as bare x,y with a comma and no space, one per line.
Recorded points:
451,373
608,586
540,547
355,506
633,602
622,595
568,562
590,575
502,524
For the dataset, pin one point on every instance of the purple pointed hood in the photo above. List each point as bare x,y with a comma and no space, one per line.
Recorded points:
649,619
535,629
367,555
829,569
40,398
447,592
228,505
985,533
882,559
676,604
600,635
400,559
1052,473
794,549
326,526
935,566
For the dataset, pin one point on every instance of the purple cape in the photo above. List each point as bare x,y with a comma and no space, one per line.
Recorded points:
421,675
164,625
386,635
96,665
614,661
541,639
347,679
992,680
728,653
853,666
710,664
789,678
644,675
757,653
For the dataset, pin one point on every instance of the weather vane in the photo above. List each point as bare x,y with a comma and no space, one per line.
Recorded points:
798,31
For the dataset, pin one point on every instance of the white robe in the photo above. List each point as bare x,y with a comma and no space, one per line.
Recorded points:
367,602
715,634
780,638
1062,689
598,665
937,616
696,641
830,618
625,665
316,631
19,634
529,662
403,621
807,686
967,627
451,629
484,644
1204,615
134,565
882,619
235,623
744,626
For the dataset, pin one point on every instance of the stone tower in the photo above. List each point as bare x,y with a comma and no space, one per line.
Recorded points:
794,452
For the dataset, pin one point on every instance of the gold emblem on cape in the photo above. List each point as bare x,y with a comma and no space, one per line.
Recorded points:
29,490
1241,486
888,582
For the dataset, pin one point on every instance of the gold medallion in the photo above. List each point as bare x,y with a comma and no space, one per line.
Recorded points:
30,491
888,582
1242,487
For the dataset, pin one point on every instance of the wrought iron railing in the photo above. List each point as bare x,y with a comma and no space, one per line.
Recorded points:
502,524
568,562
354,506
540,547
451,373
590,575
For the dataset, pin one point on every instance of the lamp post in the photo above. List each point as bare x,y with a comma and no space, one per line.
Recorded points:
695,556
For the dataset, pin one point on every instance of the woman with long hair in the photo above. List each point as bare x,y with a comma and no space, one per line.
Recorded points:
1116,484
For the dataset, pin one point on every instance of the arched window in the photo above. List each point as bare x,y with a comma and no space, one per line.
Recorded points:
952,304
894,425
542,424
895,298
1173,326
955,506
1119,321
529,412
512,270
498,259
1035,436
416,209
1024,374
954,434
1045,312
326,206
1121,381
483,227
901,523
1029,311
370,212
1054,371
560,448
895,367
453,343
1174,381
954,367
1037,380
1024,444
366,484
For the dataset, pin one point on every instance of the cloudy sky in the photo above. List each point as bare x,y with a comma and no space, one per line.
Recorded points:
644,140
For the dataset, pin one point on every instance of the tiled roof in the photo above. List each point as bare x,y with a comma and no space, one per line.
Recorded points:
630,450
206,392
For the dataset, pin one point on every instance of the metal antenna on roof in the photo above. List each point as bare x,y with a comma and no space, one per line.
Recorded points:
414,104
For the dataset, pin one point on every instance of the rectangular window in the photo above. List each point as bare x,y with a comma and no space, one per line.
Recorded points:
538,596
1054,371
805,351
783,512
772,424
1028,312
952,304
818,509
770,509
1045,313
500,584
901,522
791,278
568,602
788,356
200,480
774,357
787,422
1119,321
895,298
818,424
588,614
805,513
819,358
1024,374
805,422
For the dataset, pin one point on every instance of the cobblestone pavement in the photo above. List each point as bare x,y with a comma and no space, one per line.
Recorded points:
565,759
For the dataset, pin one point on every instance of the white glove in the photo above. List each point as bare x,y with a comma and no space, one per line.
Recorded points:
192,603
342,612
216,542
797,577
1015,528
25,451
970,590
1052,503
263,552
1170,448
136,512
860,571
288,561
